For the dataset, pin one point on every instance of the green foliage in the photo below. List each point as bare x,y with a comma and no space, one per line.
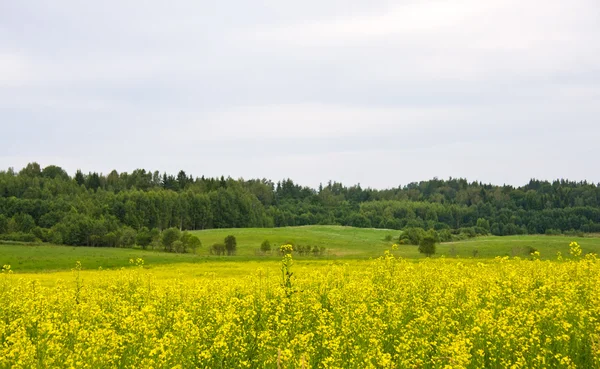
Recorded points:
484,224
230,245
3,224
101,210
265,246
19,237
427,245
128,237
413,235
143,238
190,242
217,249
168,237
445,235
179,247
23,223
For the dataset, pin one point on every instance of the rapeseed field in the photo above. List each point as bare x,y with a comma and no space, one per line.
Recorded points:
388,313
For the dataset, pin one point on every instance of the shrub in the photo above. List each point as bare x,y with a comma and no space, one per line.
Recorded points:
412,235
128,237
143,238
265,246
318,250
43,234
484,224
445,235
217,249
19,237
479,231
179,247
427,245
468,231
190,242
530,250
230,245
169,236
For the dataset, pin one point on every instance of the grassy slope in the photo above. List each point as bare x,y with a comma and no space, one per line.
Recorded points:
351,243
492,246
52,258
339,241
342,242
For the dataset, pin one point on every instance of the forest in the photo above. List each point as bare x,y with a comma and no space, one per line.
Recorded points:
93,209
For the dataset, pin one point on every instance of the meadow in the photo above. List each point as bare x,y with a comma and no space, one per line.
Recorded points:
341,243
372,305
387,312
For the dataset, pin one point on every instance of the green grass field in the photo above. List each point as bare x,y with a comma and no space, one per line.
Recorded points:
339,241
342,243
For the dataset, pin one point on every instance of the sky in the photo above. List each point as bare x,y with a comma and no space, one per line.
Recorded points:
380,93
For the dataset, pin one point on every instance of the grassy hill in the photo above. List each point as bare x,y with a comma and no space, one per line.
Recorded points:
339,241
344,243
351,243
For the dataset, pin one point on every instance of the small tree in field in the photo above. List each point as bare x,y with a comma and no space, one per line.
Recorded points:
427,245
169,236
265,246
217,249
230,245
190,241
194,243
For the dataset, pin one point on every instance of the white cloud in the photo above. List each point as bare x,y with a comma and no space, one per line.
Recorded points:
14,70
317,120
347,90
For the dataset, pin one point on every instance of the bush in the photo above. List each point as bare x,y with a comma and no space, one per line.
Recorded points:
265,246
110,239
318,250
143,238
574,233
388,238
217,249
412,235
301,249
484,224
433,234
230,245
43,234
23,222
445,235
553,232
169,236
190,242
427,245
468,231
530,250
3,224
19,237
128,237
179,247
479,231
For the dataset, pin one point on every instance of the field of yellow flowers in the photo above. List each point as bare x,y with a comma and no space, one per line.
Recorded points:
388,313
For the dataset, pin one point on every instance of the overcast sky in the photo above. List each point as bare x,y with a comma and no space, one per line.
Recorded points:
375,92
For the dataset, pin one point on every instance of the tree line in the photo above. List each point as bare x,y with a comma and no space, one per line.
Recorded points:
111,210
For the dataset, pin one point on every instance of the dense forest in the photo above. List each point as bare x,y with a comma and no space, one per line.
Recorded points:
112,210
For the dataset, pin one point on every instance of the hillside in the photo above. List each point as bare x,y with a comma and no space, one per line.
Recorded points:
341,243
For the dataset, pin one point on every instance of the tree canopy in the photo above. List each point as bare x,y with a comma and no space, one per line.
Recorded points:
118,209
